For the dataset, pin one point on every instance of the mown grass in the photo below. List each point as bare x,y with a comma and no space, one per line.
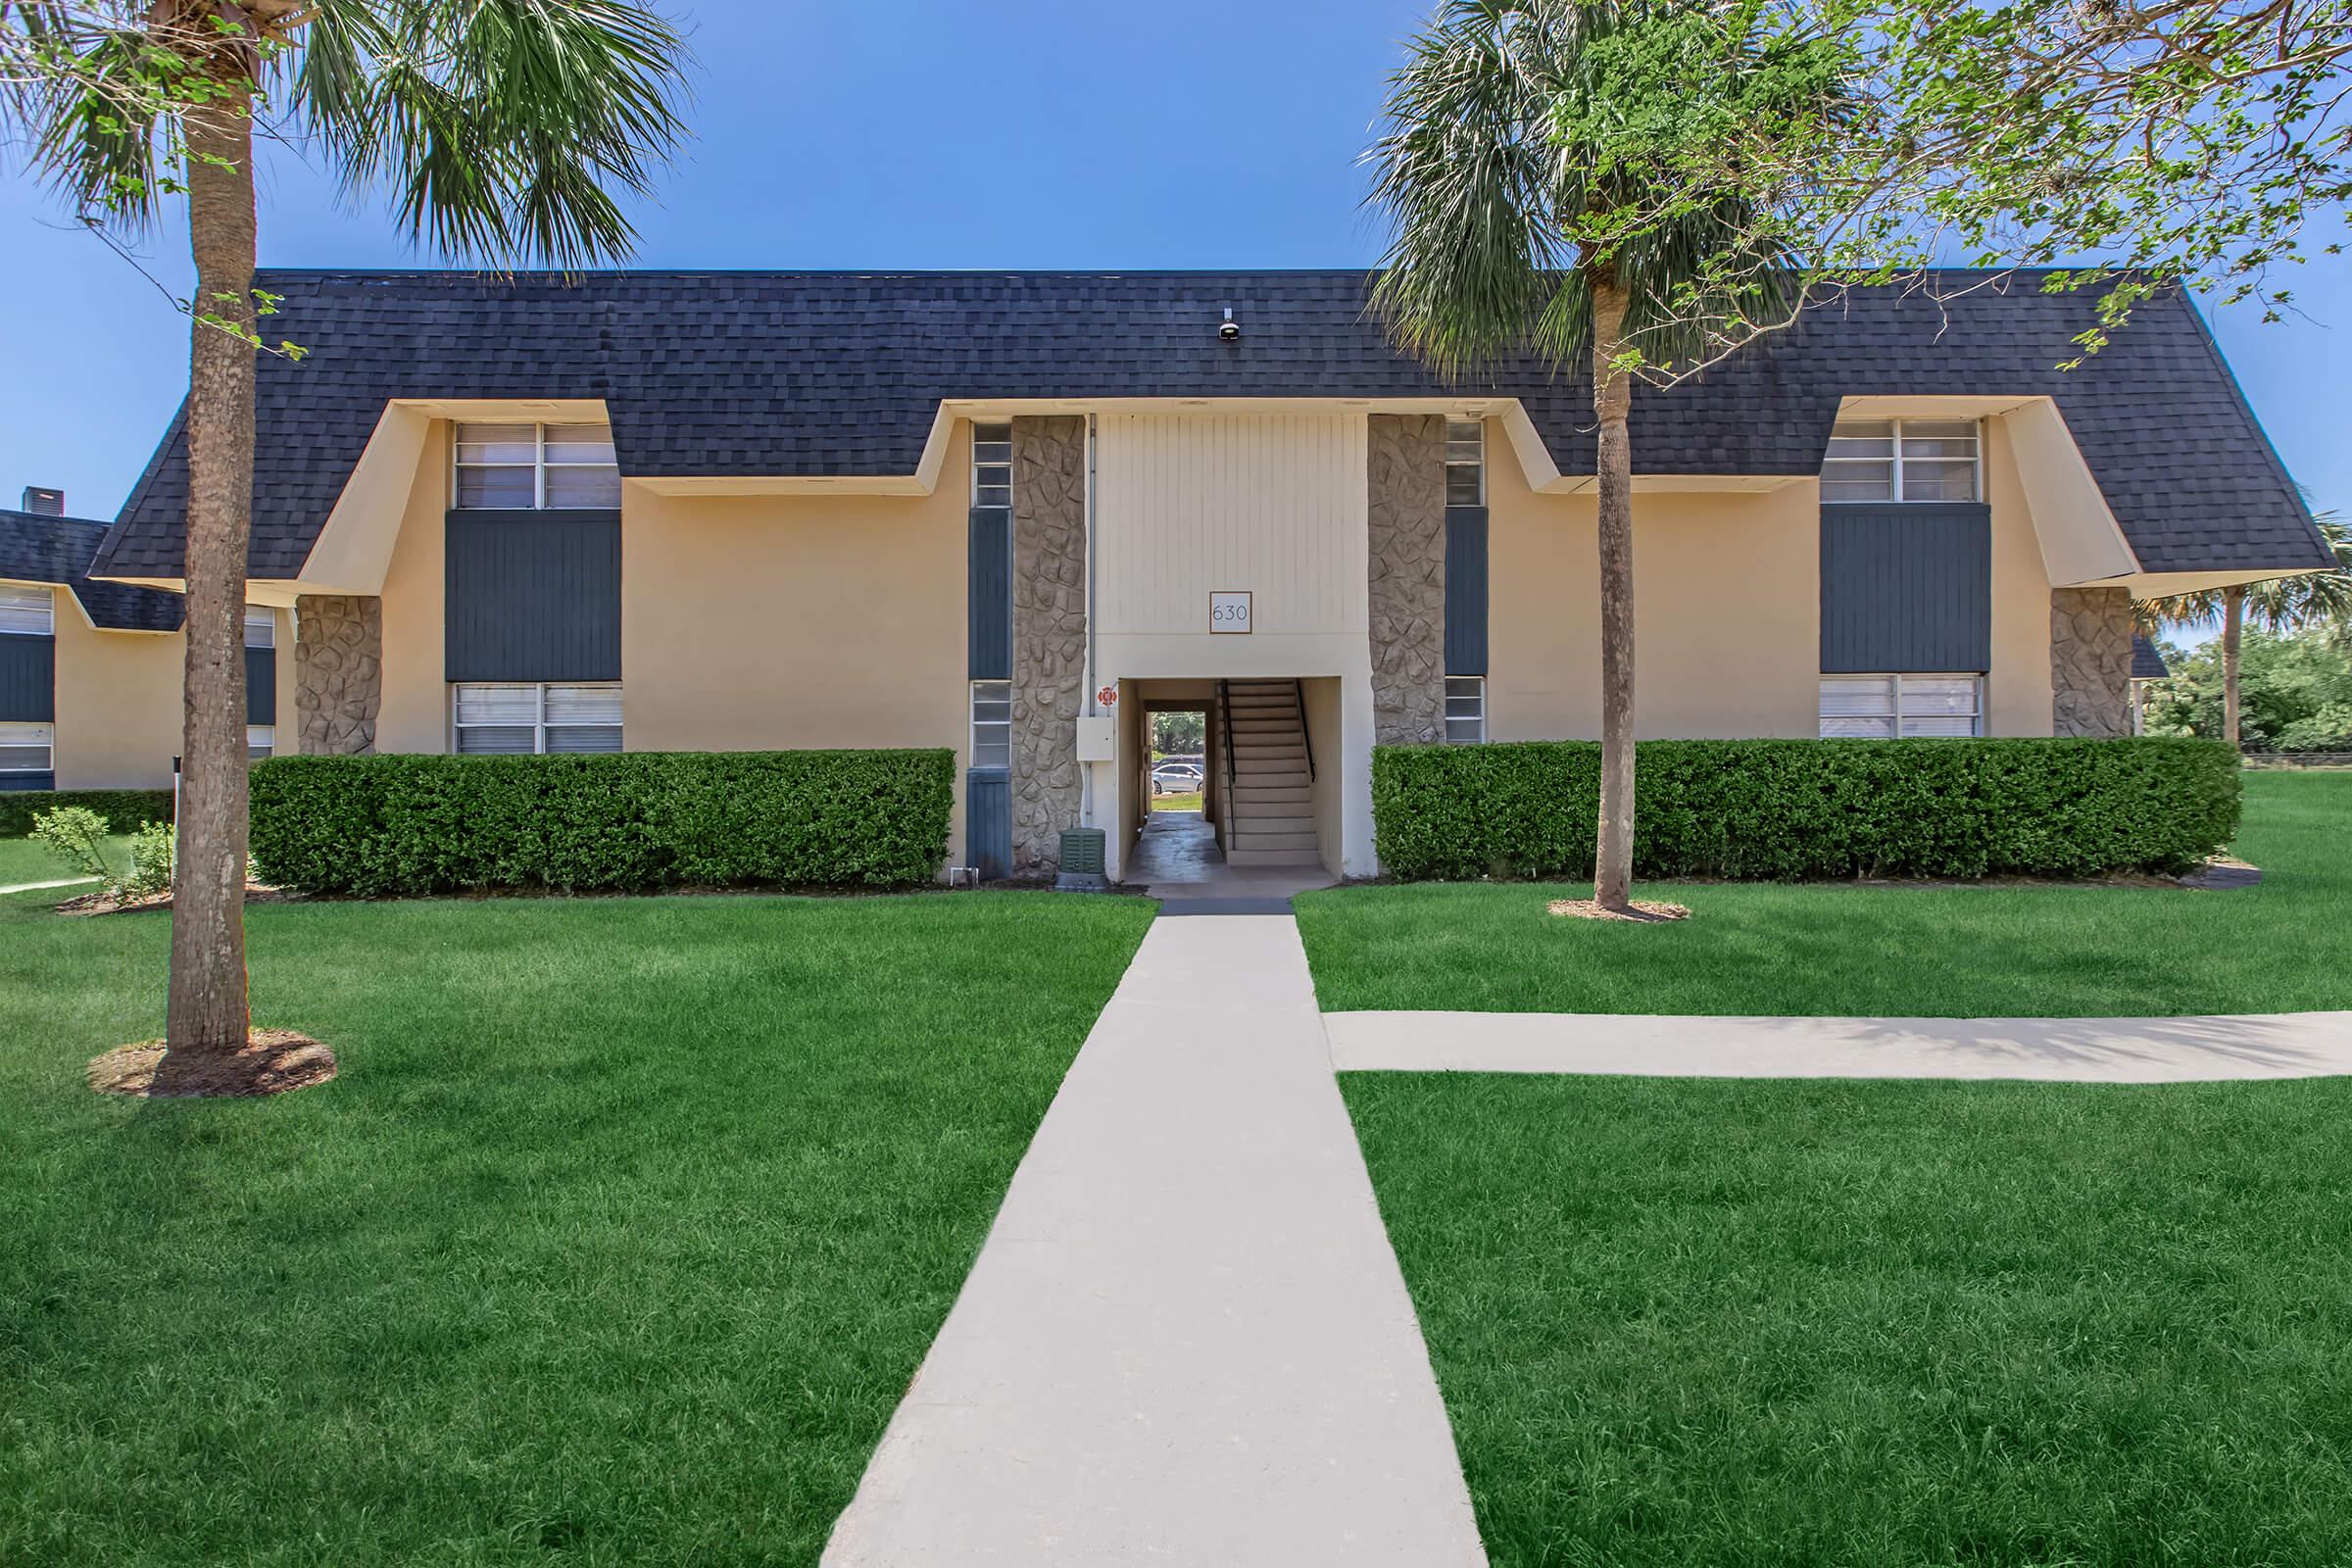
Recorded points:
1815,949
22,860
1785,1323
618,1238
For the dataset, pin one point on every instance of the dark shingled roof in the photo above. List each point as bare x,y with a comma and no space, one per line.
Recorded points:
37,548
2147,663
768,373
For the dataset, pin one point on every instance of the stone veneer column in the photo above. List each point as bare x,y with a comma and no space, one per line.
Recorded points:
338,672
1407,518
2091,662
1049,635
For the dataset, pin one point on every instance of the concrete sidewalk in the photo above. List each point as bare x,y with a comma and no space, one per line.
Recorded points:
1187,1341
2142,1050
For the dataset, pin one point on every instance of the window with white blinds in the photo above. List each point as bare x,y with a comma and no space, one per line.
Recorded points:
261,740
26,748
260,627
523,720
992,723
1465,463
26,612
1465,709
1884,707
992,465
536,466
1903,460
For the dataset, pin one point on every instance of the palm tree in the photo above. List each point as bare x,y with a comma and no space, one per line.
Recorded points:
1519,226
502,128
2278,605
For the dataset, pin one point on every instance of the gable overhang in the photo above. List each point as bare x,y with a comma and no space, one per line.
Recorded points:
2080,540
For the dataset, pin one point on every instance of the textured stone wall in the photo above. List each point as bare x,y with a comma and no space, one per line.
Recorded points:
1408,518
1049,635
338,672
2091,662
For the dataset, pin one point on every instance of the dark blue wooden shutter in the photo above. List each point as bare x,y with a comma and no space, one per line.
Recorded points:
1906,586
534,596
1465,590
990,612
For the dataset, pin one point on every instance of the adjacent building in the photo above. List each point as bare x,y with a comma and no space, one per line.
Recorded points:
90,670
1011,513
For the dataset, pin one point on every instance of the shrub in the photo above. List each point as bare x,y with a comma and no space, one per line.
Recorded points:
75,836
151,850
1784,810
17,808
381,825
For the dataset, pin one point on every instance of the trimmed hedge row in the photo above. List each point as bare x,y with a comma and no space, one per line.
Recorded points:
402,824
124,810
1786,811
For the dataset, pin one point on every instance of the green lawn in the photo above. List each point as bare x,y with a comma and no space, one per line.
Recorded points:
22,860
617,1242
1962,951
1791,1323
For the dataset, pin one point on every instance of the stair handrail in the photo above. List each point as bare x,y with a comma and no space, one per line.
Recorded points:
1225,708
1298,695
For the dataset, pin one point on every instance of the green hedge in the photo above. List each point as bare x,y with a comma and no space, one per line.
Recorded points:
382,825
124,810
1785,811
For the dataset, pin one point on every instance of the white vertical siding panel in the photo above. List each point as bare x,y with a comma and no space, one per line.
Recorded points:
1189,504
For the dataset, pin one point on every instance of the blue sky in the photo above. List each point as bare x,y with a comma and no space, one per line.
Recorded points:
924,133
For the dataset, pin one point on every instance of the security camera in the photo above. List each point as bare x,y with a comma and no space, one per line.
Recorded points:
1230,330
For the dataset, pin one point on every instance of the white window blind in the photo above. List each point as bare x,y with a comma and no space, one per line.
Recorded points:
1465,463
531,467
26,748
524,719
26,612
992,465
261,740
992,723
1465,709
1883,706
260,627
1906,460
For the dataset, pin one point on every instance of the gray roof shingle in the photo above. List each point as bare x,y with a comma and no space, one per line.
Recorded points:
767,373
38,548
2147,663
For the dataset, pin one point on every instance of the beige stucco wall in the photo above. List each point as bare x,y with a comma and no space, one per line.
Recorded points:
118,703
1727,610
1725,618
119,700
414,712
757,622
2017,688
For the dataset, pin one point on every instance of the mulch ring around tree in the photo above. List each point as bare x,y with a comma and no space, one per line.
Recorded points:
106,903
1643,912
274,1062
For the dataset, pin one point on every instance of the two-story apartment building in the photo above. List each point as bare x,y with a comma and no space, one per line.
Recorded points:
90,670
1009,514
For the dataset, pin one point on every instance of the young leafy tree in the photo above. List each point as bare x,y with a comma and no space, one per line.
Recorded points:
2281,606
1549,168
502,129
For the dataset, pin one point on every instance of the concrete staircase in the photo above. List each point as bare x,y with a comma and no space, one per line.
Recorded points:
1269,806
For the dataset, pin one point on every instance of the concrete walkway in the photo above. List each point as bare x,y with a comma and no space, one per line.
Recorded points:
1185,1342
2140,1050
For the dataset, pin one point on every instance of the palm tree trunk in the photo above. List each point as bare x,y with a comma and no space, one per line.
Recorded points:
2234,620
1612,401
207,1007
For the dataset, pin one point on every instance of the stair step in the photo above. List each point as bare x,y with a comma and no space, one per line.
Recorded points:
1283,795
1248,825
1265,842
1239,856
